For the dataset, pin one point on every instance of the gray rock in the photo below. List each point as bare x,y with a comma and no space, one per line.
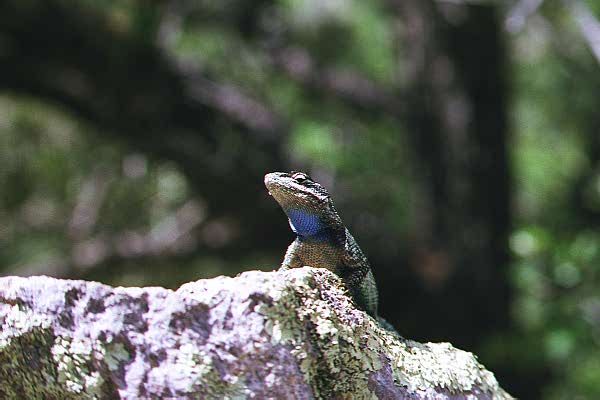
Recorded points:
265,335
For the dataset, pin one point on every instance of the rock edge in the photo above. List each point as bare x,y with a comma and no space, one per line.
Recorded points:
286,334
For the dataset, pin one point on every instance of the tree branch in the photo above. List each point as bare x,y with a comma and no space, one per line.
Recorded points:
588,25
519,13
346,84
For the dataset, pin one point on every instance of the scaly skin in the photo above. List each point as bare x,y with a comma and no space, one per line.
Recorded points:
322,240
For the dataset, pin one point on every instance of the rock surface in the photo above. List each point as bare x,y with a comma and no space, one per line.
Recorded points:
265,335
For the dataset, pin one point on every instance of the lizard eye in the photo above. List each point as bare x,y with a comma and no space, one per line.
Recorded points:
300,177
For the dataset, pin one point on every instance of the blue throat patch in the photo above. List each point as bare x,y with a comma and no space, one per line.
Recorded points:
304,223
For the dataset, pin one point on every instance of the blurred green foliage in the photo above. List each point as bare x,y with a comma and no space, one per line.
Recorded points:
556,273
70,197
75,202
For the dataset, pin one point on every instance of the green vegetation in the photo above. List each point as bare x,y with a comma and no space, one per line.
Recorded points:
461,142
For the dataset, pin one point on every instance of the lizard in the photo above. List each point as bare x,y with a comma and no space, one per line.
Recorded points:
322,240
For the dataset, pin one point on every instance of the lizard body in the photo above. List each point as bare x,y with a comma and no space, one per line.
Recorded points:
322,240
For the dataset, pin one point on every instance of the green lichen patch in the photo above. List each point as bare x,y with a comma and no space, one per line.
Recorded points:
338,348
18,320
332,355
422,367
199,365
115,354
76,364
35,363
27,370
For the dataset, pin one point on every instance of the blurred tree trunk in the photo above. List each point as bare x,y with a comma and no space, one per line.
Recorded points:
457,120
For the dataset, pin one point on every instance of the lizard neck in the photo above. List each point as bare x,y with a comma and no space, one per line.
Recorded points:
309,225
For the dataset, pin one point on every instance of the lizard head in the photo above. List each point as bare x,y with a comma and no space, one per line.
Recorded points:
296,190
306,203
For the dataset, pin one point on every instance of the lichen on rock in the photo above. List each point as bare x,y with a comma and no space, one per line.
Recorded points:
284,334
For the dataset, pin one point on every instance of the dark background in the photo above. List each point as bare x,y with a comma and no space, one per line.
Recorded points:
459,139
